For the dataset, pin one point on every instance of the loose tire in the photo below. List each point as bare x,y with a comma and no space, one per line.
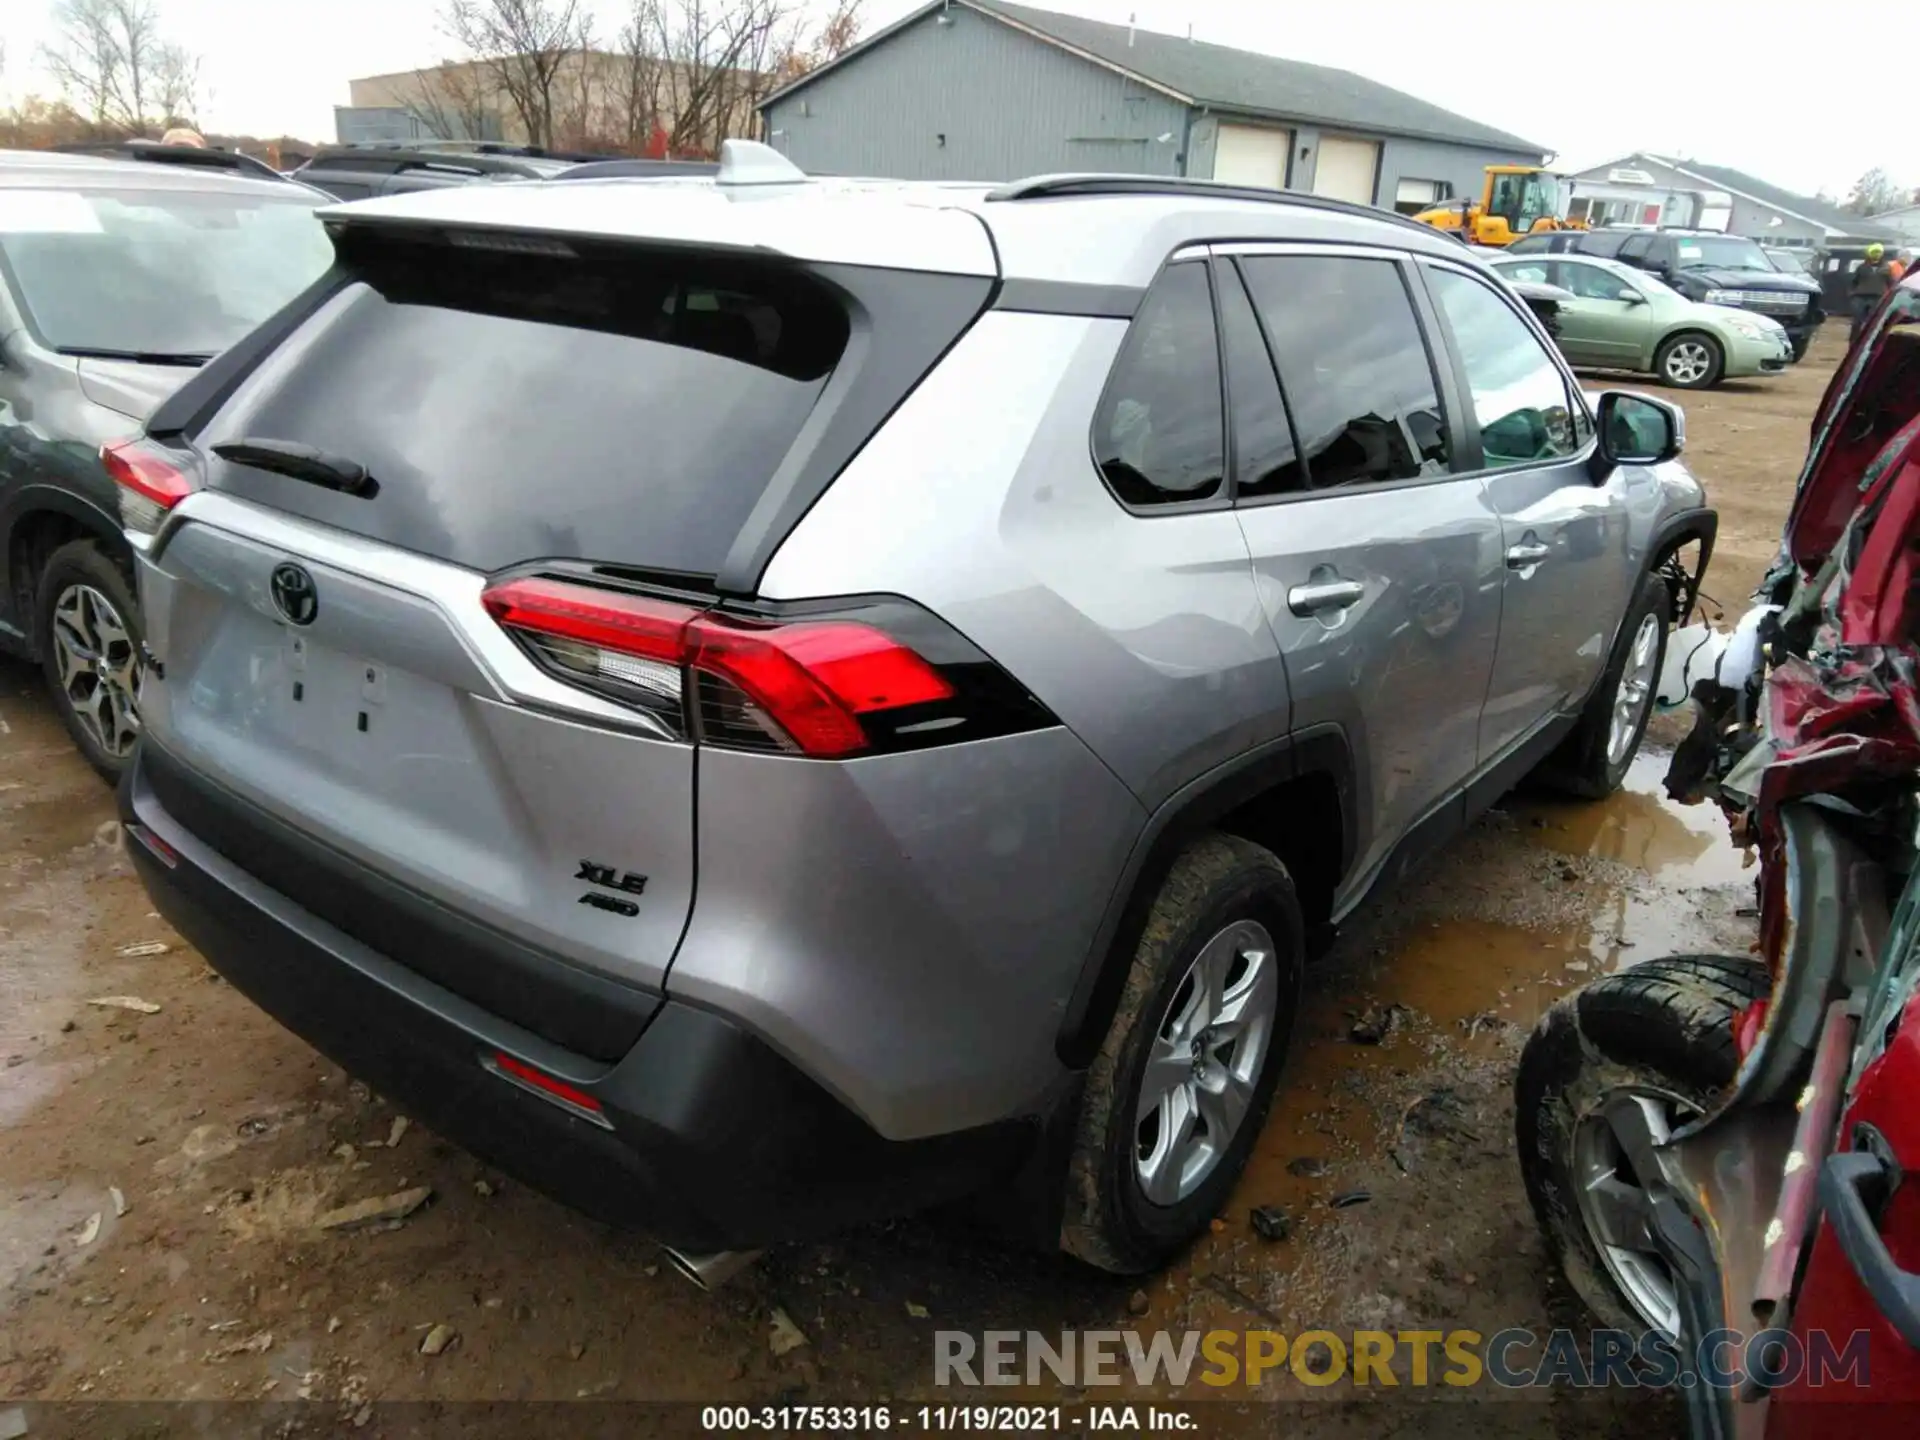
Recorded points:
89,636
1690,360
1176,1097
1592,761
1611,1070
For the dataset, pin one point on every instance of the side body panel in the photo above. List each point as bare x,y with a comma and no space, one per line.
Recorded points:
1144,633
50,439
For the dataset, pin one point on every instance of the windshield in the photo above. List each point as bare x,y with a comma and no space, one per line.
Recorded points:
179,274
1719,252
1788,262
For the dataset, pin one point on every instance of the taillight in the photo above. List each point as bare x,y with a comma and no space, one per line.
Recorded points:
150,483
810,686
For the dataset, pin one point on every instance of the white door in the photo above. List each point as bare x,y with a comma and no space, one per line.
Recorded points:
1252,155
1346,169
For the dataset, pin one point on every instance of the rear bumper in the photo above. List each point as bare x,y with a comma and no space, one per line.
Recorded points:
711,1141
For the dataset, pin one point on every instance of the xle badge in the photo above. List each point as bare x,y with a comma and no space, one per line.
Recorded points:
625,881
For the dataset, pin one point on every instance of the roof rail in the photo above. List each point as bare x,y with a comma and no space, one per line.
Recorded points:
159,154
1041,187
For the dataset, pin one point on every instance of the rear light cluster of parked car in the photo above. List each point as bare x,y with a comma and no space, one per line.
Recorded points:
798,687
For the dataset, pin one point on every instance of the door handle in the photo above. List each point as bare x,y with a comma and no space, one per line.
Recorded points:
1895,1291
1317,596
1520,557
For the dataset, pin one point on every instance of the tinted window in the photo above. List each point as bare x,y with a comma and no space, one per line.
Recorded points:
1159,436
1353,365
1531,245
1519,395
1264,458
343,189
1606,243
159,272
1636,247
615,404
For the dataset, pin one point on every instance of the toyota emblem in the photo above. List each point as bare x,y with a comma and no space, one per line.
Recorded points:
294,595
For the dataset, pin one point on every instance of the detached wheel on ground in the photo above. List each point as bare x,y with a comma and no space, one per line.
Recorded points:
1177,1095
90,648
1690,361
1592,761
1611,1071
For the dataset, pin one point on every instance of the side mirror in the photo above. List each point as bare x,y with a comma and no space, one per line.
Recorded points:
1637,430
1632,297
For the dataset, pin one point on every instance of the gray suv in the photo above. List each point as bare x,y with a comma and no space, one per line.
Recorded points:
759,705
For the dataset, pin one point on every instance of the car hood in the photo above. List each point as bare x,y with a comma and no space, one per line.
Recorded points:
1723,279
128,387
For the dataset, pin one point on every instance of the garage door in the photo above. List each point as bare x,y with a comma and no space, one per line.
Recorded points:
1346,169
1252,155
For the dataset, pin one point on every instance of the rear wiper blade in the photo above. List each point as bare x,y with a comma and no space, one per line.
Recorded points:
139,357
300,462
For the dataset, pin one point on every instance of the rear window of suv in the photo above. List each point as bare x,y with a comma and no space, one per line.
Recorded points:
521,398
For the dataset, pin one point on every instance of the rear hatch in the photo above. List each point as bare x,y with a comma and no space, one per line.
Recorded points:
337,710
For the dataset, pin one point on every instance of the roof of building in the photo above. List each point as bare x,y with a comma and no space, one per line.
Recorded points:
1219,77
1809,208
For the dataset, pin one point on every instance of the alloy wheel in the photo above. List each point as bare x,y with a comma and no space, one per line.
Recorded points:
1689,362
1635,692
1205,1061
1613,1161
99,668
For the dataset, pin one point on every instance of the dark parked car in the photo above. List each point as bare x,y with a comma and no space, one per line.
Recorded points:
1706,266
355,172
118,278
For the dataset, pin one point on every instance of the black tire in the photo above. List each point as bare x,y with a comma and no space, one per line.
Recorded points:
1109,1221
1581,765
1664,1028
1707,379
83,563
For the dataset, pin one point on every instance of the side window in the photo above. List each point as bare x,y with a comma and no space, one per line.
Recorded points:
1591,282
1536,271
1266,461
1353,365
1519,394
1636,248
1159,435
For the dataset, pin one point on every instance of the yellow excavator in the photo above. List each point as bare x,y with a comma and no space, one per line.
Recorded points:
1516,200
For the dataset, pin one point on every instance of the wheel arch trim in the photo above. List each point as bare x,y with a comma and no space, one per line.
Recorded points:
1320,750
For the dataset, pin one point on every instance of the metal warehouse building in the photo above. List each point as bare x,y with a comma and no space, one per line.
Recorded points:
983,90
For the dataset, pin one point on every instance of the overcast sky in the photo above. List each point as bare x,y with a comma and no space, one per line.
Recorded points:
1717,80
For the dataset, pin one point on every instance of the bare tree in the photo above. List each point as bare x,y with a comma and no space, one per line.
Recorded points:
641,83
1873,193
720,57
522,45
108,56
450,101
176,84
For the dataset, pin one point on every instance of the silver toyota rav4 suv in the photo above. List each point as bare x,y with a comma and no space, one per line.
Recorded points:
759,704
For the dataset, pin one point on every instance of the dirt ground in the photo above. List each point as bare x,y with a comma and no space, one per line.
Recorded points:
164,1168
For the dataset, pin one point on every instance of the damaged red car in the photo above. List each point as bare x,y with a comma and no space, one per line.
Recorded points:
1723,1152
